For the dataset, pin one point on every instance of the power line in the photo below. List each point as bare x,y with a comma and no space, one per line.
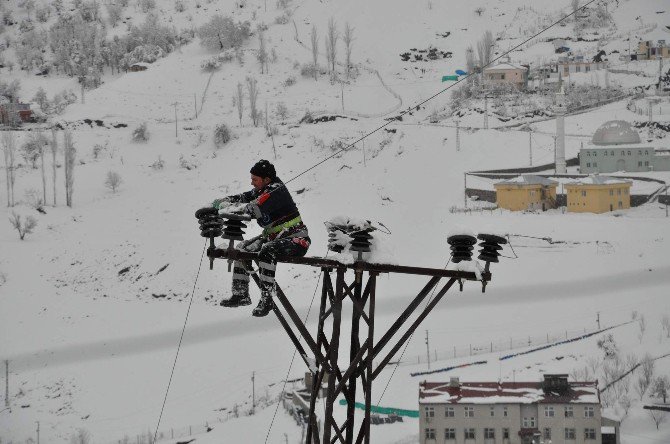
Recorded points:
181,337
417,106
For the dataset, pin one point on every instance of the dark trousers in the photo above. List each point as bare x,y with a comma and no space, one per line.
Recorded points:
268,251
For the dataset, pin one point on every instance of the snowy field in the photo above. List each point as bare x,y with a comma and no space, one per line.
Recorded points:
93,301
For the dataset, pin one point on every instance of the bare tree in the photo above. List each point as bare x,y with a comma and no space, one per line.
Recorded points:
314,38
348,45
70,155
485,49
470,61
239,101
9,151
660,387
658,416
81,436
113,180
625,403
640,386
331,44
262,52
282,111
54,151
23,227
479,11
642,323
41,142
252,88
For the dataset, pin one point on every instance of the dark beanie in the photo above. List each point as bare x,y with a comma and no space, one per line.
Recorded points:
264,168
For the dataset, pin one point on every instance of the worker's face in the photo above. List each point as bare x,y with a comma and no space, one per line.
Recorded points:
259,182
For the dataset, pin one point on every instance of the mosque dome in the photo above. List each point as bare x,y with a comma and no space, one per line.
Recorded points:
615,132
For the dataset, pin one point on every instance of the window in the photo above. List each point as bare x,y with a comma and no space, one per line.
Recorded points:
639,163
430,433
646,152
548,411
492,411
629,152
569,413
505,433
583,193
605,152
528,423
623,153
588,164
469,433
612,153
639,152
449,433
489,433
449,412
589,433
505,412
469,412
569,433
547,433
430,412
578,68
588,153
620,205
646,163
588,68
618,191
611,192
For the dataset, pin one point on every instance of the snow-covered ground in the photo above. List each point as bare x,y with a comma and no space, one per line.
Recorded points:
93,302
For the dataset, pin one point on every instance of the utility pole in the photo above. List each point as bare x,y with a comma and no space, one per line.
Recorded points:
598,319
555,137
465,189
530,147
38,432
253,392
195,105
458,136
342,94
427,350
175,119
486,112
6,383
667,203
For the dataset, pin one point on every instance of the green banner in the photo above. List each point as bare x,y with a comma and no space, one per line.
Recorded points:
385,410
447,78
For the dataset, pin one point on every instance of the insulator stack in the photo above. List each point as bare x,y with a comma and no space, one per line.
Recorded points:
337,240
461,247
360,241
490,247
211,224
234,227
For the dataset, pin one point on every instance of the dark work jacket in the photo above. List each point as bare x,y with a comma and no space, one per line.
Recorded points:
272,206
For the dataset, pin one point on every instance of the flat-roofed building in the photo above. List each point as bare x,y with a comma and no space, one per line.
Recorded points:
526,192
598,194
553,410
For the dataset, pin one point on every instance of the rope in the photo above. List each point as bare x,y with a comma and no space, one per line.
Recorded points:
181,337
293,357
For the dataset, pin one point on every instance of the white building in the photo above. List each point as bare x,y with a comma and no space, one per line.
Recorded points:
553,410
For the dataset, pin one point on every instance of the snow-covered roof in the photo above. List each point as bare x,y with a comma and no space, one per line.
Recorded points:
505,393
615,132
528,179
504,66
597,179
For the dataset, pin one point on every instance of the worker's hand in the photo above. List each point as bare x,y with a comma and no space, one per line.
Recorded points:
221,203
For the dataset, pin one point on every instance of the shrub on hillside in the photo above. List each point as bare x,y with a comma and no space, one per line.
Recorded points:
223,33
179,6
222,135
113,180
309,70
141,133
22,226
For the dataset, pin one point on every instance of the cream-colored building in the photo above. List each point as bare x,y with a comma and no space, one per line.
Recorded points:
554,410
506,73
647,50
526,192
598,194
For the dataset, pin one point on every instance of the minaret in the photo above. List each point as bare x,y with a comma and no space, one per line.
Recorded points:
560,130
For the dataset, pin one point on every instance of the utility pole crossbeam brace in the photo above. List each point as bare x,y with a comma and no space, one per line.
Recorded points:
361,291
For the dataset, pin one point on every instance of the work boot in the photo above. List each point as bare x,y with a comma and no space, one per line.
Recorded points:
264,305
240,295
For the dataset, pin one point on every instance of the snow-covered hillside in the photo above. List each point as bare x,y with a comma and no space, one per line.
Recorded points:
93,301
